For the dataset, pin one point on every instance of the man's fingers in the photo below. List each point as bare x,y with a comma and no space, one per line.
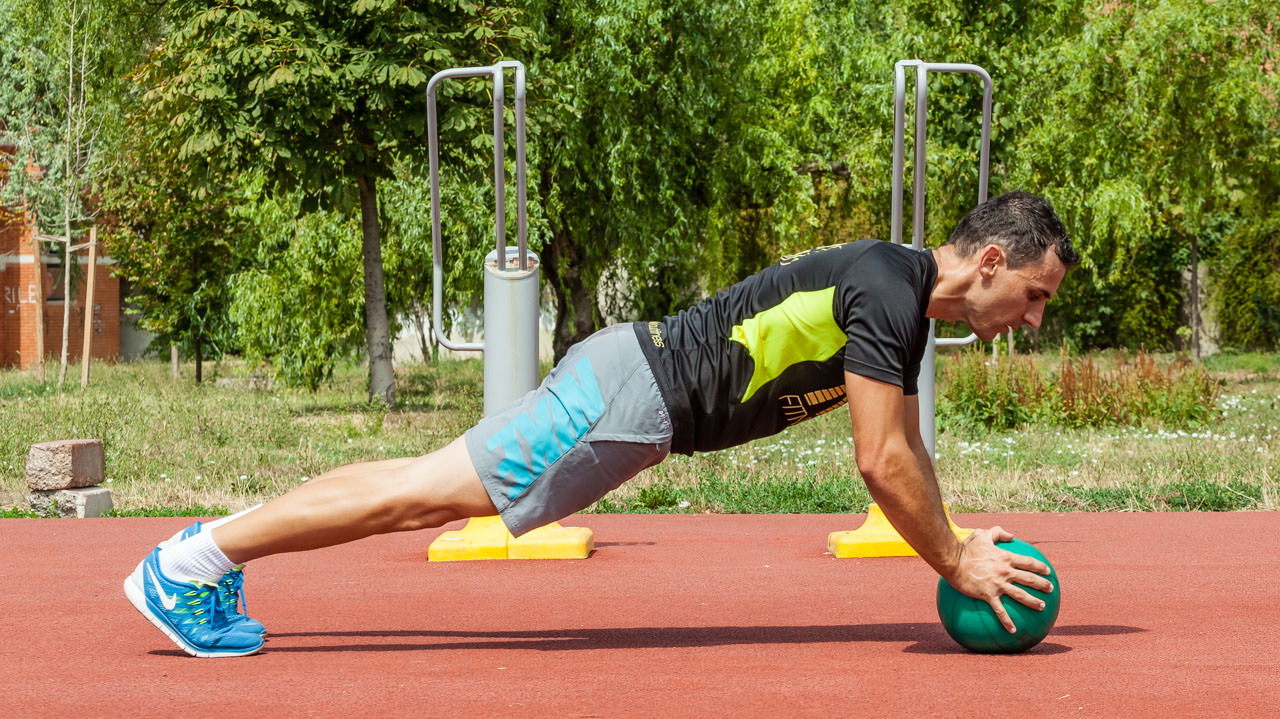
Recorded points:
1002,615
1035,581
1023,597
1000,534
1030,564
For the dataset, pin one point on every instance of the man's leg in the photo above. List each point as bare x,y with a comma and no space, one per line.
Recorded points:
361,500
176,587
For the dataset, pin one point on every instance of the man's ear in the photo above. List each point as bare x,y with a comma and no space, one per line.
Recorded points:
990,258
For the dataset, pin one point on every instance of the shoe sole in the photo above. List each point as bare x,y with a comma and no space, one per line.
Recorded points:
137,597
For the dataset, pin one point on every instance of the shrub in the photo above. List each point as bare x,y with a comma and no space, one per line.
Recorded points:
979,393
976,392
1138,391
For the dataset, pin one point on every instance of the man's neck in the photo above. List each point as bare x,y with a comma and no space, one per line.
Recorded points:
946,301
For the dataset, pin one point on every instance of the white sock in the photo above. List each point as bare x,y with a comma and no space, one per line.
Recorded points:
215,523
195,559
219,522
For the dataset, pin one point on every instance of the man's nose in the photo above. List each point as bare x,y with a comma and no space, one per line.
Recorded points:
1034,316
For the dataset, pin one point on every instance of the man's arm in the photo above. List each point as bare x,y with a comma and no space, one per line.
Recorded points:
895,465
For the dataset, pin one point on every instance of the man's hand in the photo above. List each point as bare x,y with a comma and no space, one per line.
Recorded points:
987,572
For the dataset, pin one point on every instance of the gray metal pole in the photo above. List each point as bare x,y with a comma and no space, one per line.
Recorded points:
919,172
899,129
522,183
511,283
499,171
927,399
433,163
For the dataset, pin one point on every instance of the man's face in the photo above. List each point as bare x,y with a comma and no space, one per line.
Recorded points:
1005,299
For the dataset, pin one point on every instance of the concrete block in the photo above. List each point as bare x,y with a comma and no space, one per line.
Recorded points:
78,502
65,464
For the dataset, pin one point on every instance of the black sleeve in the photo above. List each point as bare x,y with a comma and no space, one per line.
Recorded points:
879,308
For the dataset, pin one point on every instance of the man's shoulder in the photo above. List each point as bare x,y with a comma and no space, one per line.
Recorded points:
881,248
879,262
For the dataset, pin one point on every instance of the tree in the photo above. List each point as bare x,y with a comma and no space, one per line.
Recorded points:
668,137
298,301
325,96
1158,146
177,241
55,125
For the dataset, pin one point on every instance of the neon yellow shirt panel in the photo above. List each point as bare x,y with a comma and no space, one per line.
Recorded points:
801,328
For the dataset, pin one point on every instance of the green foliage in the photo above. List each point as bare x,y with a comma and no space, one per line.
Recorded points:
176,247
300,306
1153,132
323,98
314,92
35,108
667,141
1246,282
1001,395
1179,394
675,146
978,394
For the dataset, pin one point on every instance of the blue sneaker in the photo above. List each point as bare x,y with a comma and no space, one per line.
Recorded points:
188,613
231,602
230,592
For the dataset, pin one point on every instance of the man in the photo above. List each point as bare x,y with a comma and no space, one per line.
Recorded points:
798,339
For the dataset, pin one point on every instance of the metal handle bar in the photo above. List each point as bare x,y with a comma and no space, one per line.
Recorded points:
499,182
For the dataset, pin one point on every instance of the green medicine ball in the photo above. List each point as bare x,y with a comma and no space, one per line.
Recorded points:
971,622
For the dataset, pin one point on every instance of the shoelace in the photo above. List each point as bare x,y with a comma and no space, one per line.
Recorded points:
205,603
232,590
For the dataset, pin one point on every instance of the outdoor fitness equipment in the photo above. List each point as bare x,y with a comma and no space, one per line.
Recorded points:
510,345
927,397
511,275
877,537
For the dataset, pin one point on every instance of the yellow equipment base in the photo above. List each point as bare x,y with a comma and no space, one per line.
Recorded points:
877,538
488,538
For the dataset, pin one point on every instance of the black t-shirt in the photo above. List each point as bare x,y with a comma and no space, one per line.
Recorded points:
771,350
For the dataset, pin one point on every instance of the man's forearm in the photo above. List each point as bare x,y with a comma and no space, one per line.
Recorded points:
905,488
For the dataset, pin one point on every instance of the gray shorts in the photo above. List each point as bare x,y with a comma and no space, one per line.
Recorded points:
596,421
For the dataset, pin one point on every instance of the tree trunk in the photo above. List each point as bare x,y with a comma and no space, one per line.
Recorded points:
66,287
67,197
562,261
563,265
193,323
382,379
85,346
1195,296
422,324
40,297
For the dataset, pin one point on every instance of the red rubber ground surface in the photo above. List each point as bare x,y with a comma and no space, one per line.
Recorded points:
1166,615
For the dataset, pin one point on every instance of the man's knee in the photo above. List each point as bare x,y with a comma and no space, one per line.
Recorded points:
439,488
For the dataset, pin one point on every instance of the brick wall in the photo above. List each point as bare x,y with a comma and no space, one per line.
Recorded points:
18,312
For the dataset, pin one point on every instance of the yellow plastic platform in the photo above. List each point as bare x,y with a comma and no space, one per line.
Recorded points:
877,538
488,538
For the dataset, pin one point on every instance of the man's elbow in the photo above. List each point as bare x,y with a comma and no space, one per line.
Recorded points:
881,466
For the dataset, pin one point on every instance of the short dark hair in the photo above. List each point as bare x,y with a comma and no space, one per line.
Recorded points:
1022,224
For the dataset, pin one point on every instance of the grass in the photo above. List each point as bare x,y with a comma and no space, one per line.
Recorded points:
178,448
226,444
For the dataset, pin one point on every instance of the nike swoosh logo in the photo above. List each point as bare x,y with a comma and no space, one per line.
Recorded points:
169,601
